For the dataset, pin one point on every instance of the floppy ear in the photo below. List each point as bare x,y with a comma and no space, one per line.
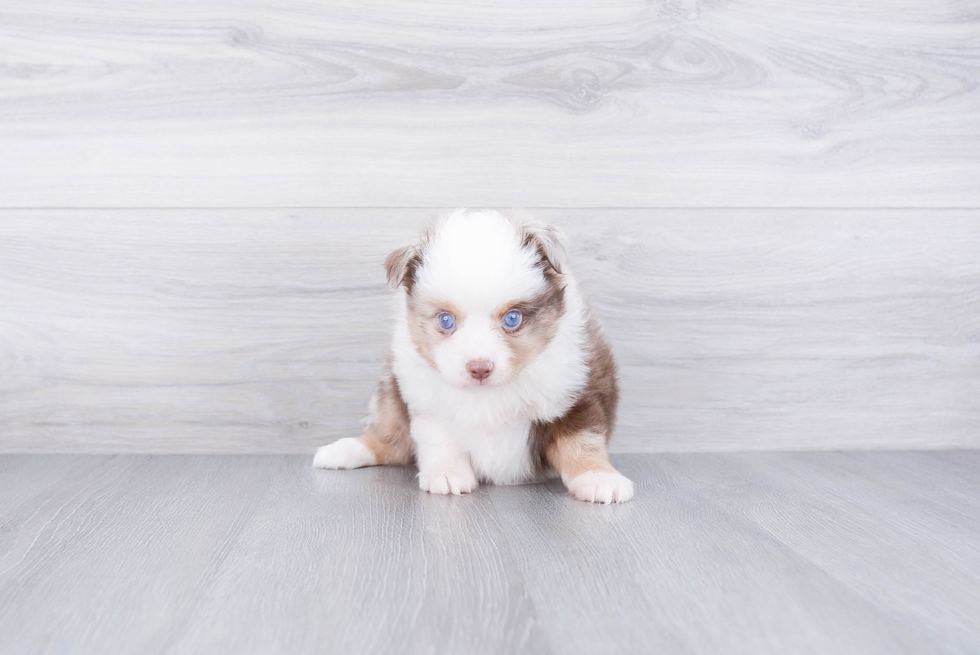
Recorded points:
397,264
549,241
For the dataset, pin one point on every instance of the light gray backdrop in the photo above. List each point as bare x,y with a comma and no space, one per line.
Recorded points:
773,207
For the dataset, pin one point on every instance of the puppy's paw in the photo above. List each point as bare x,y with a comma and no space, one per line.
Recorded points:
599,487
448,482
346,453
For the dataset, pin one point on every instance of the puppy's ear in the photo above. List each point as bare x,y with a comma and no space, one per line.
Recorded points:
398,266
550,242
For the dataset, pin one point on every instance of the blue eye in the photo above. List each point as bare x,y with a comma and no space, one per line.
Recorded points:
446,321
512,319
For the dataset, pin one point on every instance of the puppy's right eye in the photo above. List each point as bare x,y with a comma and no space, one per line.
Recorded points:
447,321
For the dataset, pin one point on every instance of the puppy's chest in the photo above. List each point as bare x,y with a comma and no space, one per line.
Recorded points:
501,455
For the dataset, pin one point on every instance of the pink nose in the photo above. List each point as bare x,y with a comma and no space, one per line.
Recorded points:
479,369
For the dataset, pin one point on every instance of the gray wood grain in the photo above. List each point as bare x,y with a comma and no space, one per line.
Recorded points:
894,531
365,563
263,330
625,103
107,555
762,553
24,479
674,574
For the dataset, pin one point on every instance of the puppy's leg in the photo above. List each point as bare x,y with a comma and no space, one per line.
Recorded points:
583,463
443,467
385,441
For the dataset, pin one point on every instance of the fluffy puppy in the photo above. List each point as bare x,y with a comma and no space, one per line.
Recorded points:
498,371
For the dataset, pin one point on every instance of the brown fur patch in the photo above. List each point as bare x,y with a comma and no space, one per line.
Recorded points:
403,263
570,444
423,326
539,323
401,266
548,241
396,265
578,454
386,431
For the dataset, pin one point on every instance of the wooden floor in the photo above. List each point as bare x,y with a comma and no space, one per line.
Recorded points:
757,553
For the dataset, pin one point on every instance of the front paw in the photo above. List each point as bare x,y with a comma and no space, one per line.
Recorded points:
448,482
599,487
346,453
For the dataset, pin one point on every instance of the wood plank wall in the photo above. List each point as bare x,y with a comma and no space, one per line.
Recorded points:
773,205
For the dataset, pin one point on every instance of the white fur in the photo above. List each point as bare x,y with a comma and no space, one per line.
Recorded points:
448,482
444,464
600,487
476,262
500,454
344,454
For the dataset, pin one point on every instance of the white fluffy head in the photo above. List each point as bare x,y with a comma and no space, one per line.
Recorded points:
478,267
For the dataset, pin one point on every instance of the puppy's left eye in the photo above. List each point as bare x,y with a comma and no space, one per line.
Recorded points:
447,321
512,319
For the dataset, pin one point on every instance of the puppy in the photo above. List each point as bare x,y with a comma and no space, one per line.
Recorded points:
498,371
